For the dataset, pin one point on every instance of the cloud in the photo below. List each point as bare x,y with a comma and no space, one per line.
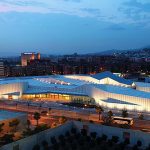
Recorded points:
116,27
118,11
143,1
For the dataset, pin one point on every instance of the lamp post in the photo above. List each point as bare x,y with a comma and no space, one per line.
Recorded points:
16,105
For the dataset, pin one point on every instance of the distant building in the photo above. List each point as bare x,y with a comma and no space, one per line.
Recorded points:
2,69
27,57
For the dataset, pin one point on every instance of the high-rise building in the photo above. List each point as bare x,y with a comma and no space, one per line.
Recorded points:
2,69
27,57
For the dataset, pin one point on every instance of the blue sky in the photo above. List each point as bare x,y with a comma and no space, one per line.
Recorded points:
68,26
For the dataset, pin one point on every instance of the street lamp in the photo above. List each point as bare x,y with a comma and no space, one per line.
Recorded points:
16,105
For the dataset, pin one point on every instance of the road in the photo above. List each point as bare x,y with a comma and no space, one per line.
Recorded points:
58,109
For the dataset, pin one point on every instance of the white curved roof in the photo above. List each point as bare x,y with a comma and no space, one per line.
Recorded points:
108,74
123,91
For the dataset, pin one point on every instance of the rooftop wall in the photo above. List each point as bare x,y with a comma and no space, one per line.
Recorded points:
29,142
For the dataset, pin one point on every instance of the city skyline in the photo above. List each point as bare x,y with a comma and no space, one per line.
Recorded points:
73,26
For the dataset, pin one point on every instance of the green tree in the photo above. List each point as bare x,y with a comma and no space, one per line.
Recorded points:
1,127
125,113
110,114
8,138
37,116
54,124
99,110
62,120
141,116
108,119
13,124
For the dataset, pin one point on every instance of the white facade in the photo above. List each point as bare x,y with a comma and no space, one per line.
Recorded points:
143,86
106,88
14,89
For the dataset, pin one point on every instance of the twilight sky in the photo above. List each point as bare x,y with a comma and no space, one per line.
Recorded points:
68,26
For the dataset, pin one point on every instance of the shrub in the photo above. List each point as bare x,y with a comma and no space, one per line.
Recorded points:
63,143
125,113
92,144
53,140
73,131
44,143
88,139
81,142
62,120
115,139
43,112
7,138
135,147
73,146
91,121
148,148
99,140
70,140
139,143
79,119
55,147
61,138
126,141
13,124
78,135
41,128
122,146
67,134
110,143
104,137
84,132
125,126
36,147
141,116
1,127
93,135
27,132
54,124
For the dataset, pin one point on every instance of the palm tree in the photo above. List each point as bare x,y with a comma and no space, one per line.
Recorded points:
110,114
37,117
1,127
28,104
99,110
141,116
49,110
124,113
108,119
40,106
28,124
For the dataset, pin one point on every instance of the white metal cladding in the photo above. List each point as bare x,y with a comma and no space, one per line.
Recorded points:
145,89
141,104
142,86
83,78
13,87
103,90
